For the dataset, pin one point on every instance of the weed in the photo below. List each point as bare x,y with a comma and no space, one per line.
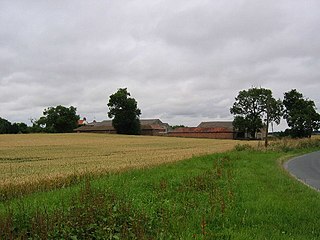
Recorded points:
243,147
287,145
91,215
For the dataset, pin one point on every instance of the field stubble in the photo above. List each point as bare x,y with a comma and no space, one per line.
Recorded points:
42,161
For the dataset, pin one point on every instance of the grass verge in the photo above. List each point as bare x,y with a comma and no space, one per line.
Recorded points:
242,194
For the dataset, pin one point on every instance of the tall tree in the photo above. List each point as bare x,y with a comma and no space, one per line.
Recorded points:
124,112
58,119
19,128
300,114
255,108
5,126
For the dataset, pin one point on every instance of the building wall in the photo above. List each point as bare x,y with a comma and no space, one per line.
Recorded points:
147,132
152,132
97,131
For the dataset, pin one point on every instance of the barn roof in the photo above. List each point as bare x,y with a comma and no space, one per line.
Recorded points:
142,122
90,127
106,125
223,124
151,122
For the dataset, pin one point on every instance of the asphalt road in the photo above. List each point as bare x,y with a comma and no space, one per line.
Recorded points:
306,168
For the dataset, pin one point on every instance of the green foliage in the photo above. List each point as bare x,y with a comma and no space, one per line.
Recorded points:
91,215
255,107
247,124
309,144
177,126
125,112
300,114
5,126
287,144
14,128
19,128
200,200
235,195
58,119
243,147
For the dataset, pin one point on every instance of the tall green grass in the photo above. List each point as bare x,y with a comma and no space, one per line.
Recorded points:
242,194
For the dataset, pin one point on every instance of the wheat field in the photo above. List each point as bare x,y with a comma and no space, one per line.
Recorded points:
35,158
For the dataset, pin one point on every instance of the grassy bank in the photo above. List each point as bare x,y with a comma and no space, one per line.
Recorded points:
242,194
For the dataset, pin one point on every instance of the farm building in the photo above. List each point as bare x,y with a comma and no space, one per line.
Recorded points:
97,127
155,127
151,127
82,122
217,130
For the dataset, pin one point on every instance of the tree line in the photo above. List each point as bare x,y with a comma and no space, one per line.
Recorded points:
57,119
256,108
122,108
7,127
253,109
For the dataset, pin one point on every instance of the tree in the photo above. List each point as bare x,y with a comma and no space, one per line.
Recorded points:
38,126
242,125
125,112
14,128
255,108
5,126
177,126
58,119
19,128
300,114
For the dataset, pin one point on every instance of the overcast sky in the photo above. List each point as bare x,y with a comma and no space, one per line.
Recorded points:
183,61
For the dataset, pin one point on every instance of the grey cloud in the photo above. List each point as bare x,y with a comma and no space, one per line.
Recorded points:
184,61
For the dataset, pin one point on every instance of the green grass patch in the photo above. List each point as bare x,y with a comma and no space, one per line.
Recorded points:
242,194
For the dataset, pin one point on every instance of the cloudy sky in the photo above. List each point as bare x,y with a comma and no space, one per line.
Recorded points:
184,61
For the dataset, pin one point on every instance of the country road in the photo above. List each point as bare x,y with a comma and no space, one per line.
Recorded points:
306,168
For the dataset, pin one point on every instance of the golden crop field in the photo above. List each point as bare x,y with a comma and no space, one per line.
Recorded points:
34,158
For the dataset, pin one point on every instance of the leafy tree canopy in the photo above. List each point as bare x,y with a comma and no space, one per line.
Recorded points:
19,128
5,126
300,114
124,112
178,126
58,119
255,107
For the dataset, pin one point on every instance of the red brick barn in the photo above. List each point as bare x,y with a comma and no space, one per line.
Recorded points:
216,130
